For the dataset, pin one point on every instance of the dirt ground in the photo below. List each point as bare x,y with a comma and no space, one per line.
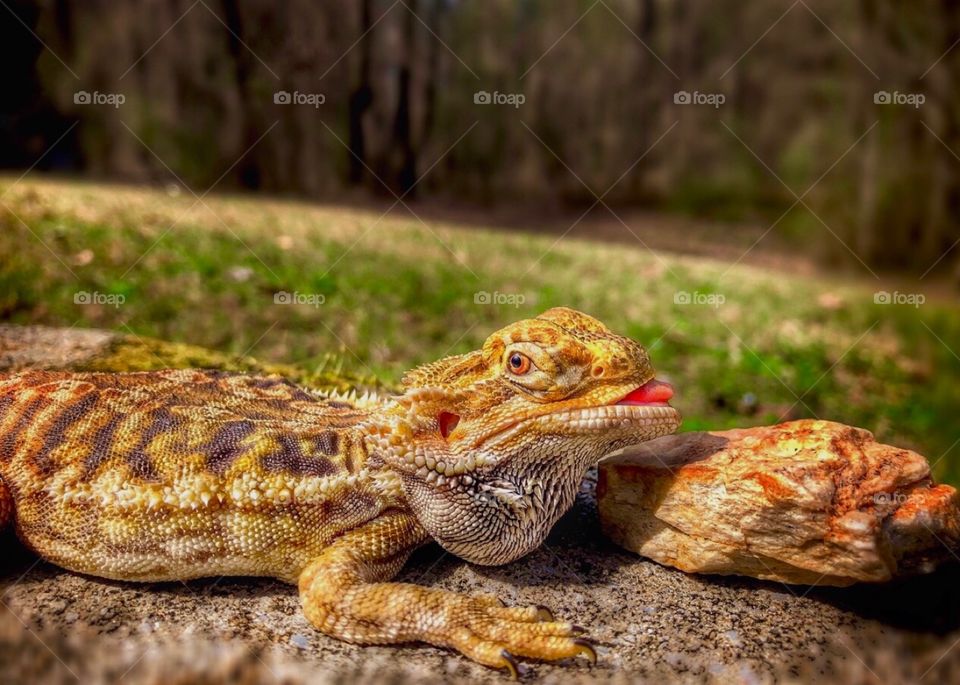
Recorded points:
652,624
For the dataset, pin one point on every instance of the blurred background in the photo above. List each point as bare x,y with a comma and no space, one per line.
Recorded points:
765,194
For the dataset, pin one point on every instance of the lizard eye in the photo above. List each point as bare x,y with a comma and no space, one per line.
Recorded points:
519,364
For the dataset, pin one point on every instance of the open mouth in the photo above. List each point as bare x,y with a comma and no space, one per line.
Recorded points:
652,393
644,409
646,405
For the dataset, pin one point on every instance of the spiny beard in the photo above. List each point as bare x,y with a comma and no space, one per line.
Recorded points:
505,513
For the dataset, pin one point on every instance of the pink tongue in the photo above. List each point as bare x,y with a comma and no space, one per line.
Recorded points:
652,391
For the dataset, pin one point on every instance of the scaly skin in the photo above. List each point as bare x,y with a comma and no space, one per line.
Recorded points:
172,475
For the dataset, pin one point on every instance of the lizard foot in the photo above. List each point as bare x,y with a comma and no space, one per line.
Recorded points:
344,594
494,635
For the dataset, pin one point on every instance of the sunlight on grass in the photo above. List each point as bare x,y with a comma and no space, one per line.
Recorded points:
743,346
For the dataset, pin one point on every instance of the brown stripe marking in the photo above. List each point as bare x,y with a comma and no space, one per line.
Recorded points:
101,446
295,392
5,402
328,442
291,459
8,445
69,415
224,447
163,420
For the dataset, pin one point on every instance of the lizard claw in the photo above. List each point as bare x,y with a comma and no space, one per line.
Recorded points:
498,636
544,613
510,663
586,648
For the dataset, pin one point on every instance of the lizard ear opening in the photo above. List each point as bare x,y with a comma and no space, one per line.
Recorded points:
448,422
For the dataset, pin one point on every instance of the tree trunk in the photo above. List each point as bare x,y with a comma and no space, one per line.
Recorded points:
247,170
406,169
361,98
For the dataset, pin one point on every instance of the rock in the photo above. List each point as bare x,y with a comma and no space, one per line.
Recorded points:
79,349
810,502
41,347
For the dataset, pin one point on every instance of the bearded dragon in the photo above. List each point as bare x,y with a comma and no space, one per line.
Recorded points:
180,474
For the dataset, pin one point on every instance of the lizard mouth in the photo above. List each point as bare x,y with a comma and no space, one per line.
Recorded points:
651,393
644,411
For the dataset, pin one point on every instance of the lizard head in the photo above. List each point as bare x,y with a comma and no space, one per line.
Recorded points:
492,445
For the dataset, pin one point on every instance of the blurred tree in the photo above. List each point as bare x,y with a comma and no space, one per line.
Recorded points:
361,97
398,81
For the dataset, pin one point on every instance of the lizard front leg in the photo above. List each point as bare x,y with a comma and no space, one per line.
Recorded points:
345,594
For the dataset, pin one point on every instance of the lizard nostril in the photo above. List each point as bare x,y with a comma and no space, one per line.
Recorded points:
598,371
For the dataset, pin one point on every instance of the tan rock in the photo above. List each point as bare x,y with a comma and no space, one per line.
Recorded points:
811,502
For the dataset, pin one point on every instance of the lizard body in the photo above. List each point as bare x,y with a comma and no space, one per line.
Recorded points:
172,475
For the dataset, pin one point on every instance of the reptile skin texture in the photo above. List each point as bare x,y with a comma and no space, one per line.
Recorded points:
179,474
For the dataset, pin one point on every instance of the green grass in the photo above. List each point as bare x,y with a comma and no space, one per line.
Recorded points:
397,293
